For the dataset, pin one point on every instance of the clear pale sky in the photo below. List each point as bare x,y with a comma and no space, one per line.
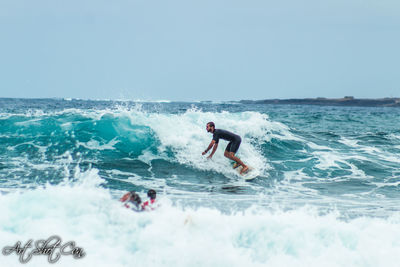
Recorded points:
184,50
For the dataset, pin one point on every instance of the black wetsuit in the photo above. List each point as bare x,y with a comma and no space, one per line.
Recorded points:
234,140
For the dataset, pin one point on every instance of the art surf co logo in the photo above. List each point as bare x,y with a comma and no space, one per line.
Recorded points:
52,248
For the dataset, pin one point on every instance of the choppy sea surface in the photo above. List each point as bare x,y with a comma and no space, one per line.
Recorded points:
327,194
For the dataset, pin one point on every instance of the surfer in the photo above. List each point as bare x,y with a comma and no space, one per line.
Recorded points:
232,147
132,201
150,204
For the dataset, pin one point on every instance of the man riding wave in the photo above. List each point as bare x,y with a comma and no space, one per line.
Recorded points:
232,147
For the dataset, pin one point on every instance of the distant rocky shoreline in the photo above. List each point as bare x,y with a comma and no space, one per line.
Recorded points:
320,101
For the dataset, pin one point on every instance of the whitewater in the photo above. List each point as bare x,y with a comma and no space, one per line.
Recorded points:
327,193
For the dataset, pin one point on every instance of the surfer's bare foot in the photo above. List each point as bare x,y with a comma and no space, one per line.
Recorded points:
235,165
244,170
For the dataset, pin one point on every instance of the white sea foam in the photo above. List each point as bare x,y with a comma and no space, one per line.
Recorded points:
112,235
349,142
96,145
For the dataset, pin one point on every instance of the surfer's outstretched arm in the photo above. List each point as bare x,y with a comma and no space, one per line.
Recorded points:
213,151
209,147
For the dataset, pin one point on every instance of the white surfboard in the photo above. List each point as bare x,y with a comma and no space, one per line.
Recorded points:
250,174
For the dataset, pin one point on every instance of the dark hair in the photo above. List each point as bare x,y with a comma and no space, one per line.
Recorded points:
151,194
211,124
135,198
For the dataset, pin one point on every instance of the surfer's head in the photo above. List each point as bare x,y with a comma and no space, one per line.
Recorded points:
151,194
210,127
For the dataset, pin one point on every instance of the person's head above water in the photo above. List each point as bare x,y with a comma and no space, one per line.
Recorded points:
151,194
210,127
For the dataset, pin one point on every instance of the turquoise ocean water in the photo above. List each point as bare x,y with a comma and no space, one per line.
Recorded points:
328,192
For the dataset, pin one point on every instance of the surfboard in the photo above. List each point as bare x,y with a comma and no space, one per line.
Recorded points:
250,174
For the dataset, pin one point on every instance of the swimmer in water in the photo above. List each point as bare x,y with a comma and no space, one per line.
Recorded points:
132,201
150,204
